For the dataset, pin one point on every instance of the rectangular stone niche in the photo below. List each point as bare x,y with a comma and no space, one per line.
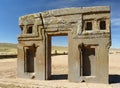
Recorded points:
88,61
29,59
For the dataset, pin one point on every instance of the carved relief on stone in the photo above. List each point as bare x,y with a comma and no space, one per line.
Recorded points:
78,29
28,19
57,24
47,14
31,30
103,24
108,44
40,31
22,27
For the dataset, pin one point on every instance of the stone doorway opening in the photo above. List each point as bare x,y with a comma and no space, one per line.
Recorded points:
58,67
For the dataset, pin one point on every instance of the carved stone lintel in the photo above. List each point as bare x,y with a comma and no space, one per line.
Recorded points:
79,27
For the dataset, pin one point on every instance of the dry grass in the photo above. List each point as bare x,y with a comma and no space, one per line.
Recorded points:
7,48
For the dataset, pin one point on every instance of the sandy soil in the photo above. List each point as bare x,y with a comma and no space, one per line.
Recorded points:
8,78
8,68
60,64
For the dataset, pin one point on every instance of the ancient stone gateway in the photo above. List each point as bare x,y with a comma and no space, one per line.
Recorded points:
88,31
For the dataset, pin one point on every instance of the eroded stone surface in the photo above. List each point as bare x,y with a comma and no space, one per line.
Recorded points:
88,29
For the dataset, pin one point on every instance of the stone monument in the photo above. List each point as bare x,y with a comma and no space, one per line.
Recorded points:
89,40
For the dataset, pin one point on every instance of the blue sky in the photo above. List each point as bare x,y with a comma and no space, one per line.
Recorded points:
11,10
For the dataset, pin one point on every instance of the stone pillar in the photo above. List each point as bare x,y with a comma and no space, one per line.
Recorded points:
48,57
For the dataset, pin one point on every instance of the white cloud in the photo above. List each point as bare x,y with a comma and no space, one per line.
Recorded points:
115,22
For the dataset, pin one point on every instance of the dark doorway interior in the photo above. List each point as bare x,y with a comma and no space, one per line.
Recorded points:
88,60
29,60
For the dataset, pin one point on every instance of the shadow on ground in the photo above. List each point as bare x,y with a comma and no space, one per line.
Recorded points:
114,78
59,77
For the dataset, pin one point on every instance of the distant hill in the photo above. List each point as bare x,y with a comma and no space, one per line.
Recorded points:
59,49
12,48
114,51
9,45
8,48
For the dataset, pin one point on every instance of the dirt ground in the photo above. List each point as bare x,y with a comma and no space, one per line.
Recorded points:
8,75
